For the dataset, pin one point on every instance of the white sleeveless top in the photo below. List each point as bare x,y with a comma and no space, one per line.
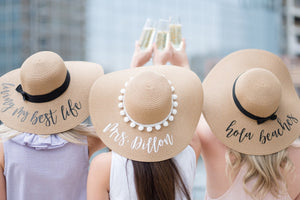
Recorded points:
122,186
45,168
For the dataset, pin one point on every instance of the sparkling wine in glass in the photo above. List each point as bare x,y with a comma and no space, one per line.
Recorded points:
175,33
147,35
162,36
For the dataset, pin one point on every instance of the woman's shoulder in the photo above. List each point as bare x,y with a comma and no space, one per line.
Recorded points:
99,175
102,159
294,178
100,167
294,152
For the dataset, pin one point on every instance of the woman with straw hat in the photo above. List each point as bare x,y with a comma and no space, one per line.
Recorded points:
253,114
45,150
147,116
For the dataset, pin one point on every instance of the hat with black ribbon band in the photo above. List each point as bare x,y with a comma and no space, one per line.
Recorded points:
250,103
45,97
259,120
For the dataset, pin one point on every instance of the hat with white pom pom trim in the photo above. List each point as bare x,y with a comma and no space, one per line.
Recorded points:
147,114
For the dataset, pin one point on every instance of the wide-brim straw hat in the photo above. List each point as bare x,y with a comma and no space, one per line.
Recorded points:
47,95
147,114
250,103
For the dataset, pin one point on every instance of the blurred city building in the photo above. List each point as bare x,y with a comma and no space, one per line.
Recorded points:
291,46
291,24
28,26
293,64
212,28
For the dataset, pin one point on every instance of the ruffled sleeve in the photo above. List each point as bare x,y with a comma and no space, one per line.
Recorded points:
39,142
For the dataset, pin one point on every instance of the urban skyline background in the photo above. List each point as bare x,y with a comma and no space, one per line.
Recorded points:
105,32
28,26
212,28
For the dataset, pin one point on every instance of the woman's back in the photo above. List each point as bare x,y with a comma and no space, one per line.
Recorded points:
236,190
47,97
293,179
45,168
222,188
122,185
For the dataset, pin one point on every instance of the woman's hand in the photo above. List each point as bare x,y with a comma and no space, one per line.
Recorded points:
179,57
140,56
161,57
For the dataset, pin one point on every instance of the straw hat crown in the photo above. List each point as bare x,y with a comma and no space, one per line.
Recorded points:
258,91
150,93
147,114
47,95
250,102
42,73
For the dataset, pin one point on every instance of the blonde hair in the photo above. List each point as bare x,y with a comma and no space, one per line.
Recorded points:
75,135
270,172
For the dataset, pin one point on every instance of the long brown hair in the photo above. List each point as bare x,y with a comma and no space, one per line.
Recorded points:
158,180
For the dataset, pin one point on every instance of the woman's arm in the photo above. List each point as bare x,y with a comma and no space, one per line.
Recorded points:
211,147
196,144
98,178
2,178
213,154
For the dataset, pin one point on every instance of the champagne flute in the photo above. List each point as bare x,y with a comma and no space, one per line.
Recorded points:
147,35
162,36
175,33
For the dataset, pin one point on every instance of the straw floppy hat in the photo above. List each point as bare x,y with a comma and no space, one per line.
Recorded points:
47,95
250,103
147,114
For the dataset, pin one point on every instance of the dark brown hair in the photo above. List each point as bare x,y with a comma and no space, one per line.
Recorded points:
158,180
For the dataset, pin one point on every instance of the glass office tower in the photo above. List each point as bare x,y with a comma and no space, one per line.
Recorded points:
28,26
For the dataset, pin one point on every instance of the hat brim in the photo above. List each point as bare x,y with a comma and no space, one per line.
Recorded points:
233,128
141,145
61,114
